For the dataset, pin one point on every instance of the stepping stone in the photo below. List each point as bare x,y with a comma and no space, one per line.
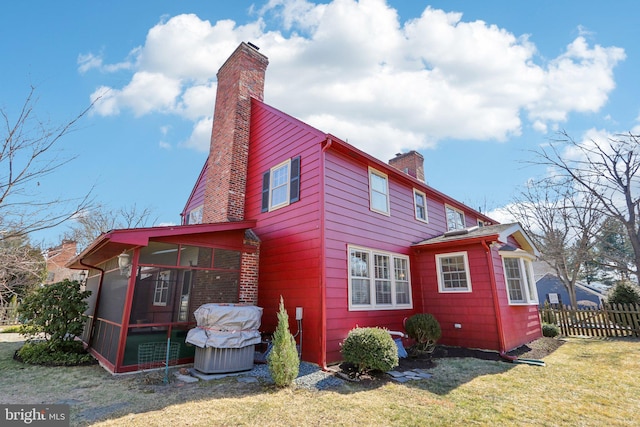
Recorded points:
396,374
186,378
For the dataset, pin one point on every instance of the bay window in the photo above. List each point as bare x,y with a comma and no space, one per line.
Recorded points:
518,273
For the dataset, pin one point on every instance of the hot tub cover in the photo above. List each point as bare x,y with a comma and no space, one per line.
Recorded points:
226,326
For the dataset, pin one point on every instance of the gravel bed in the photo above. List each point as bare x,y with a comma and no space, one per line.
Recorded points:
309,376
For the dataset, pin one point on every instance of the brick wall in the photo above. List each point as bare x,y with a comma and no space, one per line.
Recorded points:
57,258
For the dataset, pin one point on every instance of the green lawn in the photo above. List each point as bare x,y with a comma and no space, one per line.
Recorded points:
586,382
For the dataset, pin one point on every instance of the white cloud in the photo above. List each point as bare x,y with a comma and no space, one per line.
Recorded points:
200,137
352,68
90,61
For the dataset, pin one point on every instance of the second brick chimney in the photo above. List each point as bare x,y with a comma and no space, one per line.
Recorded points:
411,163
240,78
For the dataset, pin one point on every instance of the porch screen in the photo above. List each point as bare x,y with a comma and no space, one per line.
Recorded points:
112,296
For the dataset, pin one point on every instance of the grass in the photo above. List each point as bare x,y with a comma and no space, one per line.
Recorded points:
586,382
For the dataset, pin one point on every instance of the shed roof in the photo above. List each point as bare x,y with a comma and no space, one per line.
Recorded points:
114,242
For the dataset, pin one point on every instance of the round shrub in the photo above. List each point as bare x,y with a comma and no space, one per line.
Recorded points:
425,330
370,349
550,330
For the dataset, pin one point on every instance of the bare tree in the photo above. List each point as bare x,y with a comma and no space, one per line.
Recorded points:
91,223
562,225
27,156
607,172
22,267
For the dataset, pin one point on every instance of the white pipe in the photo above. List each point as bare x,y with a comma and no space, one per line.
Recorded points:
400,334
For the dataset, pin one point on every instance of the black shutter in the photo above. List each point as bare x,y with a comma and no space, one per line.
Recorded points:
294,183
265,192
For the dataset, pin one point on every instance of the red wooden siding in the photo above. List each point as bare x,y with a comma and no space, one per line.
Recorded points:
473,311
290,252
326,220
197,194
350,221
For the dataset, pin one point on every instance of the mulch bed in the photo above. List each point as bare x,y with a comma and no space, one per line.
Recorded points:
537,349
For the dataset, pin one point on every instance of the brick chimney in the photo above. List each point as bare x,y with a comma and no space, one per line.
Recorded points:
240,78
411,163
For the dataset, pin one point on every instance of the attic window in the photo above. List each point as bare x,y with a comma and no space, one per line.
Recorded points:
281,185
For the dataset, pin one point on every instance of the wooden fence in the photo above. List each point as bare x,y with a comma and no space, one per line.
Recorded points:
610,320
8,314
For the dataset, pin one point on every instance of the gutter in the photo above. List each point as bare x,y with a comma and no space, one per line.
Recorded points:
323,262
494,293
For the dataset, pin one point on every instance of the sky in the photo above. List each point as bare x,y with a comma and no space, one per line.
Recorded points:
475,87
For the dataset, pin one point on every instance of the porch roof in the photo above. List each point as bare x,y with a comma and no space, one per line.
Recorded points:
114,242
493,233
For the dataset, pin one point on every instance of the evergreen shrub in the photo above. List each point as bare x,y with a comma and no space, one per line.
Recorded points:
283,360
425,330
623,293
550,330
370,349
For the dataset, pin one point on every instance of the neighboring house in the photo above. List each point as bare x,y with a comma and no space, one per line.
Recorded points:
283,209
551,290
57,258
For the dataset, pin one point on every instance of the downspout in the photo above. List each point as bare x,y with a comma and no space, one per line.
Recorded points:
323,262
95,308
494,292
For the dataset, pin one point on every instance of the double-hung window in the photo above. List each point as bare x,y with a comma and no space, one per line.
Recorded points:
378,280
518,273
281,185
161,291
455,218
420,204
378,192
453,272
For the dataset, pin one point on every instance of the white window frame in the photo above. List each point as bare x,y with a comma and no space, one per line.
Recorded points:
416,194
527,284
394,280
373,192
161,289
442,288
272,175
447,210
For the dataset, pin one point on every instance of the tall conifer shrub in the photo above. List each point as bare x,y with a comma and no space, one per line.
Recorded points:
283,359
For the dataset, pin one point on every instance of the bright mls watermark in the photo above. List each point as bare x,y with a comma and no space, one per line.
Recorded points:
34,415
